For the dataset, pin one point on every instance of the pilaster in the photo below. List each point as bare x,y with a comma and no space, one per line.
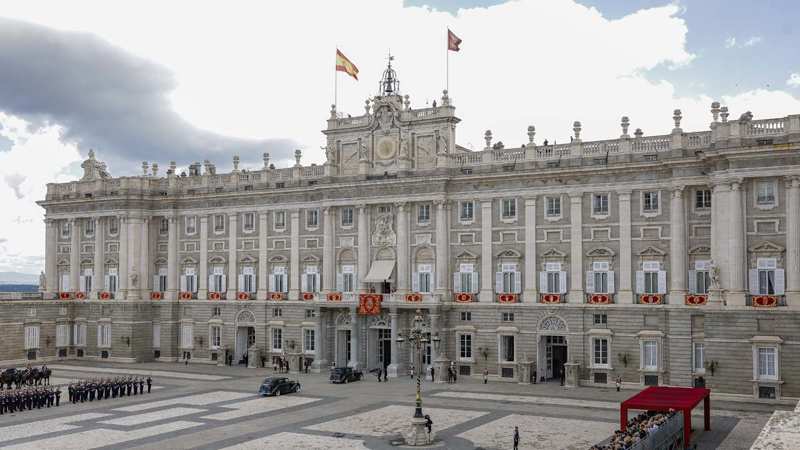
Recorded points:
172,259
74,254
123,258
530,293
355,334
202,276
98,284
263,285
403,262
233,259
487,274
442,269
363,247
576,248
135,256
625,294
735,246
294,256
50,253
677,246
394,370
792,241
144,259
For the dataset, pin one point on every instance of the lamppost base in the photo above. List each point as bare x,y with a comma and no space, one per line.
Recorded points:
419,434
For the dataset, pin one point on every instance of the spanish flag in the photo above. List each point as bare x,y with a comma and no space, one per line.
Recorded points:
344,65
453,41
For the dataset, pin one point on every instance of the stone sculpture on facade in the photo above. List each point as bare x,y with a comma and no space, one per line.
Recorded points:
384,234
93,169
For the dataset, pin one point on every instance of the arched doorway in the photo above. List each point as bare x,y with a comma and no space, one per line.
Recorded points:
344,328
245,334
379,342
552,348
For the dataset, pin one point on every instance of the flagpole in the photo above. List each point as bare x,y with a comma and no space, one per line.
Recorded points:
447,62
335,82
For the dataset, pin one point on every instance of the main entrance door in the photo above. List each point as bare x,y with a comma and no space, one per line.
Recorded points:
342,348
245,338
553,354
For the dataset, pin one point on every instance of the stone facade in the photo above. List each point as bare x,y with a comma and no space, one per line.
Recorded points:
656,259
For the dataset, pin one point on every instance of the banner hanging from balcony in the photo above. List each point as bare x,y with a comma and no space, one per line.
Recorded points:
369,304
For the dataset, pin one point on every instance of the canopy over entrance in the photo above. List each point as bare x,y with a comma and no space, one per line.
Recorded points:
664,398
380,271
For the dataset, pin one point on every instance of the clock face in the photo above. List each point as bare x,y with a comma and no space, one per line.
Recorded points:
386,148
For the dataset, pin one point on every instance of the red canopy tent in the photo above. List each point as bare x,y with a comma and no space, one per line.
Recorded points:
664,398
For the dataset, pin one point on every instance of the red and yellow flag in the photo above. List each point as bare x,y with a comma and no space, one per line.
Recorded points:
453,41
344,65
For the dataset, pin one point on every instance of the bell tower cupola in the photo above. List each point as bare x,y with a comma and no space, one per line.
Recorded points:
389,84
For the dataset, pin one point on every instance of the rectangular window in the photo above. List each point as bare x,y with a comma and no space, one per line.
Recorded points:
767,367
280,219
347,217
66,229
219,223
553,282
277,339
277,312
248,279
217,311
698,357
600,282
765,193
311,283
509,208
702,199
90,225
703,280
424,278
467,211
766,275
312,218
161,286
465,346
347,282
600,319
309,345
650,355
600,351
553,206
187,336
79,336
249,222
113,226
507,348
216,337
466,281
650,201
62,335
190,223
104,335
32,337
651,282
424,213
466,316
163,226
508,317
600,204
310,313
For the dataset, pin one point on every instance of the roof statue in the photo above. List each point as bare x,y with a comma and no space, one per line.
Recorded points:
93,169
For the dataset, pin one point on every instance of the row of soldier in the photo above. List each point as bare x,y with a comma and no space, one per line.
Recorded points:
29,398
100,389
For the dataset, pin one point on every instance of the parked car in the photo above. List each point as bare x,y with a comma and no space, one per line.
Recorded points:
345,375
278,386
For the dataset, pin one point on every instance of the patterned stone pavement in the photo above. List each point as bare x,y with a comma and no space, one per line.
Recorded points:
216,407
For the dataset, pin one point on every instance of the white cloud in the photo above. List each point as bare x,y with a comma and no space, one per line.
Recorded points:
265,69
794,80
730,42
752,41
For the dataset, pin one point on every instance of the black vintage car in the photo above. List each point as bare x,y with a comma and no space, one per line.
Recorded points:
278,386
345,375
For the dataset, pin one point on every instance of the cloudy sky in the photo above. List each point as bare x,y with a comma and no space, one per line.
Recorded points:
193,80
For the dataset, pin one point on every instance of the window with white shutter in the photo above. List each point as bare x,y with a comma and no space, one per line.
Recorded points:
79,334
187,335
32,337
277,339
215,341
104,335
649,355
62,335
156,335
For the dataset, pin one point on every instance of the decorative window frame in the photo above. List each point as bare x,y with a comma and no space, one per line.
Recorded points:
307,214
703,211
776,382
186,225
650,335
701,371
275,226
465,332
272,347
600,333
766,206
511,219
554,218
214,224
303,339
655,213
462,220
425,223
252,230
507,331
349,226
600,216
108,225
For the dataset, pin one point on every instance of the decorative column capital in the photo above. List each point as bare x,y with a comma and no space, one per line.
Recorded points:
530,201
793,182
361,207
486,204
736,185
401,206
575,197
721,186
441,203
677,191
624,195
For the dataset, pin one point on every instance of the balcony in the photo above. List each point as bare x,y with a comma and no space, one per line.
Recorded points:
765,301
651,299
105,295
695,299
276,296
599,299
464,297
245,296
551,298
507,298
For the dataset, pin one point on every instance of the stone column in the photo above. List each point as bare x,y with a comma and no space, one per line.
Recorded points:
677,247
135,255
530,293
394,370
145,278
122,257
263,263
98,284
354,339
294,256
320,363
328,250
625,294
719,231
233,272
172,259
735,246
576,248
443,274
202,275
792,241
74,255
403,261
487,272
51,263
363,247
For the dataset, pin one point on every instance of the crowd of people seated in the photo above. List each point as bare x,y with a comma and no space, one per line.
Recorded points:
637,430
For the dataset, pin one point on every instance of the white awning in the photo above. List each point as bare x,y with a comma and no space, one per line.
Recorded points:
380,271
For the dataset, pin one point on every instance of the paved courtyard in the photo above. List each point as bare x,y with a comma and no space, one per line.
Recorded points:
208,407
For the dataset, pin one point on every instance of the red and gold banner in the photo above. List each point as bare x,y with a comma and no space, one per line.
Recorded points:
369,304
765,301
651,299
105,295
276,296
463,297
214,296
414,297
599,299
185,296
551,298
155,296
333,296
696,299
307,296
507,298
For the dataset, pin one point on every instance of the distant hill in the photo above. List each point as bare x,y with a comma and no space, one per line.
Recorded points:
19,278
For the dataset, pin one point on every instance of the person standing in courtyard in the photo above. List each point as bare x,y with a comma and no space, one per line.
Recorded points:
433,378
516,438
485,375
149,383
428,426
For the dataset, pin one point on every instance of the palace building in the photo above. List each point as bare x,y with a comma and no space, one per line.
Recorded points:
670,259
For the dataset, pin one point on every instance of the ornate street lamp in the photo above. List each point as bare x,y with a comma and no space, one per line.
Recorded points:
418,339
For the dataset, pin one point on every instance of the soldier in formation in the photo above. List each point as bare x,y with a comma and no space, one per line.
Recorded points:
102,389
17,400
